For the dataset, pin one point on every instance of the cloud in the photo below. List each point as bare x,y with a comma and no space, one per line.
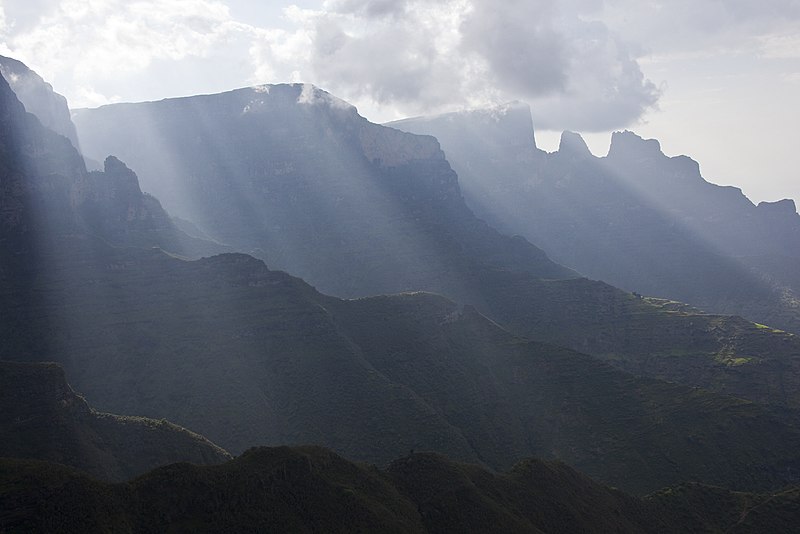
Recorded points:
421,56
519,44
669,27
392,58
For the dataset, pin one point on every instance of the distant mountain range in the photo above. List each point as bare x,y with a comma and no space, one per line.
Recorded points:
636,218
96,276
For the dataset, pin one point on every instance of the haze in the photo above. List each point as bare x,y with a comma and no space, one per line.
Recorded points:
716,81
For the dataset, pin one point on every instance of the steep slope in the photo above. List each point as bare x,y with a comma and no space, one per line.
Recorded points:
299,179
636,219
232,349
39,98
45,191
312,490
246,355
42,418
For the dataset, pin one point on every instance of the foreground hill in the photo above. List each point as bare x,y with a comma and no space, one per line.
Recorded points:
42,418
312,490
637,219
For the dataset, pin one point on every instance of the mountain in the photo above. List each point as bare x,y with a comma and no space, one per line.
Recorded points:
298,178
42,418
39,98
245,354
46,191
310,489
637,219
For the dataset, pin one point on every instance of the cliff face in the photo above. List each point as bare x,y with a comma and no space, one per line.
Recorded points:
294,175
39,98
42,418
46,192
636,218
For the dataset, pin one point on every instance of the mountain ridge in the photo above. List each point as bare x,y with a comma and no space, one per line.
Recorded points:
42,418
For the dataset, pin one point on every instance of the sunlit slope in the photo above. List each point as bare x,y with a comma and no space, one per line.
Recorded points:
246,355
637,219
46,192
297,177
313,490
42,418
39,98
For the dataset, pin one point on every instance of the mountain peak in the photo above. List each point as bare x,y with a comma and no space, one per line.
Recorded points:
573,144
782,207
39,98
627,144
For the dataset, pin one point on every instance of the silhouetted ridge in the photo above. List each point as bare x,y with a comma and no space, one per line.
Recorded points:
309,489
636,218
573,144
46,193
39,98
42,418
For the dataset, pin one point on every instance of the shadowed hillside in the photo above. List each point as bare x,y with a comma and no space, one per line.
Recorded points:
42,418
309,489
246,355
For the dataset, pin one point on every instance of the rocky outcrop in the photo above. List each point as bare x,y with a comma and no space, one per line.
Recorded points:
46,192
39,98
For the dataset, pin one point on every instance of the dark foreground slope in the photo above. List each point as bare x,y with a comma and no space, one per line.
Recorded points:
246,355
298,177
42,418
637,219
312,490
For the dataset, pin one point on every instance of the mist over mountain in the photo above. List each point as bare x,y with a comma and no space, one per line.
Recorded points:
298,178
355,209
635,218
97,276
39,98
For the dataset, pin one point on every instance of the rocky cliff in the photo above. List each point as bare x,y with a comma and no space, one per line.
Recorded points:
294,175
39,98
636,218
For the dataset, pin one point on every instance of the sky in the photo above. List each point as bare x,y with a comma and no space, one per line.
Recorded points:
716,80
